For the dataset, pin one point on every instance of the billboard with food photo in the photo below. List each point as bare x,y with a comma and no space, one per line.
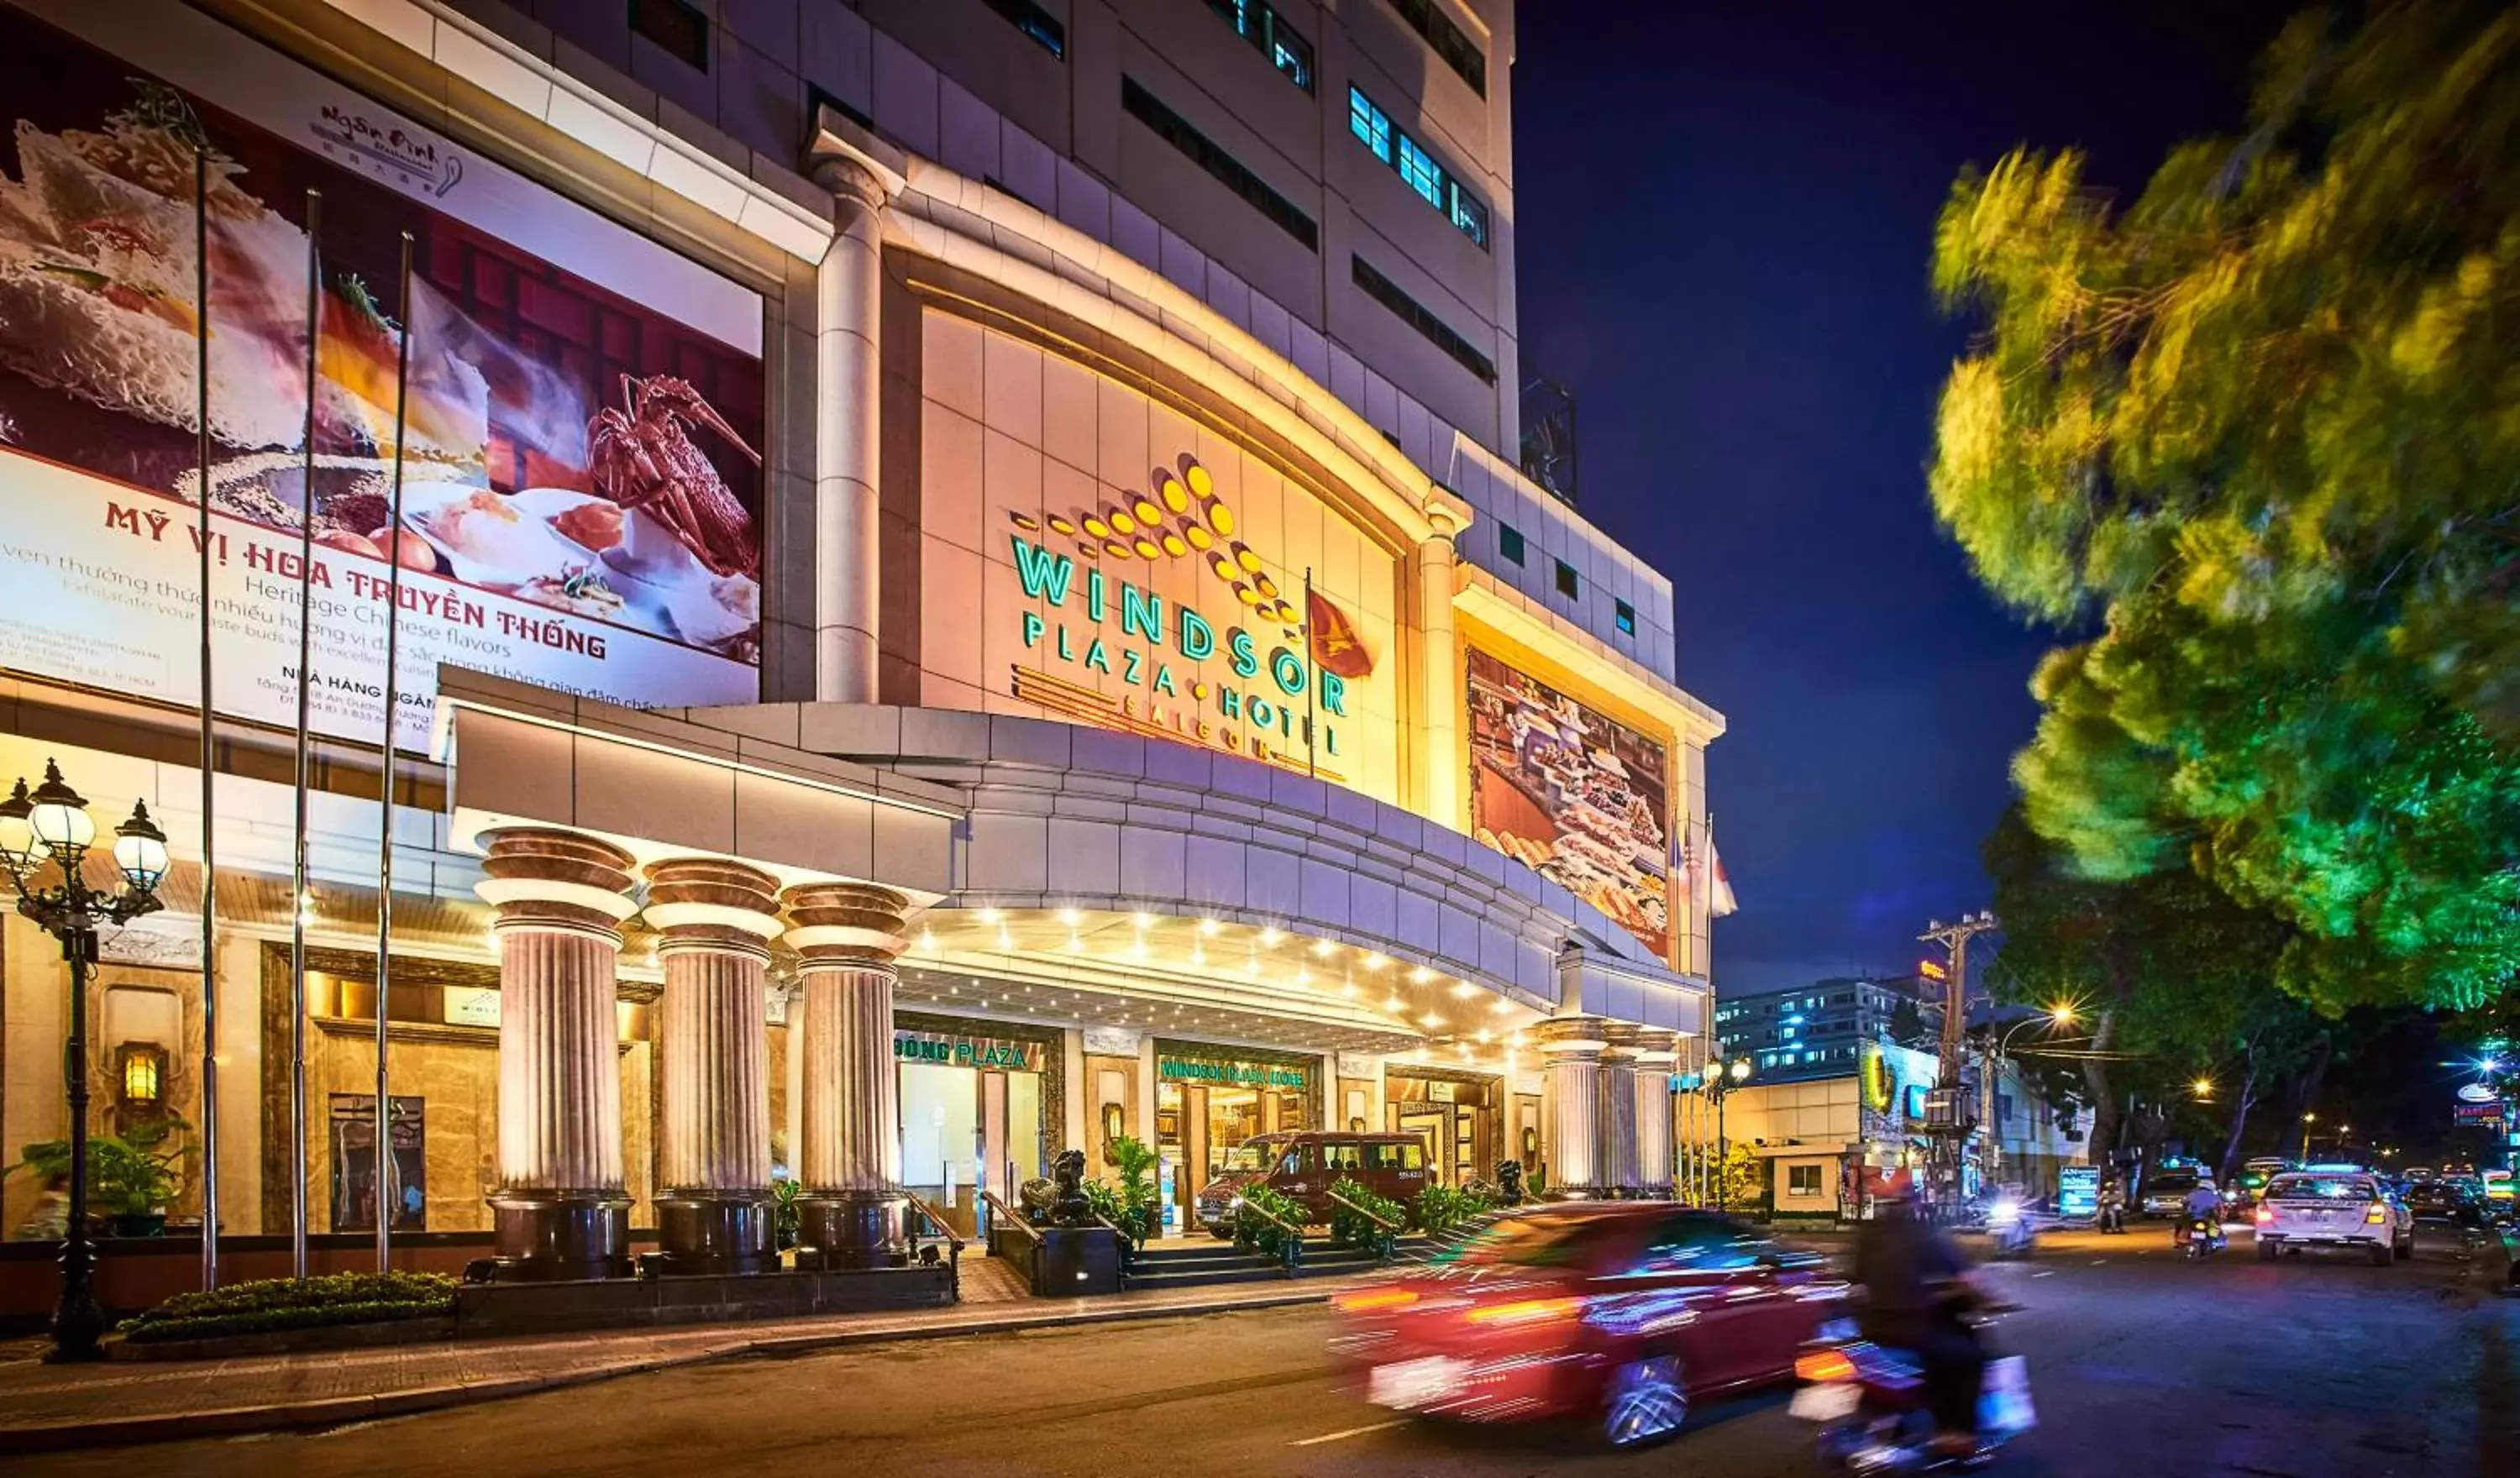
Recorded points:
578,436
1579,798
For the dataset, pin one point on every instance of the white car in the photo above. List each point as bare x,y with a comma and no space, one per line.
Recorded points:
2324,1208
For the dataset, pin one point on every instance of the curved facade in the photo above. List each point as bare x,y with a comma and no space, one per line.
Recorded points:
1150,727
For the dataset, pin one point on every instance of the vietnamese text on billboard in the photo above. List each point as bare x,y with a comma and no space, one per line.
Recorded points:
578,435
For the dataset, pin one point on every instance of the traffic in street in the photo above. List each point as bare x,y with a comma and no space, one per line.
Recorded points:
2140,1360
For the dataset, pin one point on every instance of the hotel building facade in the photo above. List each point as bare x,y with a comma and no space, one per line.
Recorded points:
964,588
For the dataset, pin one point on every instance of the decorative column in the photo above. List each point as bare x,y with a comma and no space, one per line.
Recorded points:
846,936
714,1212
1445,759
849,296
1617,1131
1657,1056
1570,1048
559,1208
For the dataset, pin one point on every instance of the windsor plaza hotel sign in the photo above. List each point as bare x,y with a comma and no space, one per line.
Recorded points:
1152,613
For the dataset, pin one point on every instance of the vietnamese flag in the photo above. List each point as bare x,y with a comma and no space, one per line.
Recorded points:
1337,647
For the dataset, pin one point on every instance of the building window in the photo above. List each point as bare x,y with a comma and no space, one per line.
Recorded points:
678,29
1271,36
1385,291
1041,26
1510,543
1802,1180
1626,615
1417,167
1229,171
1568,585
1446,41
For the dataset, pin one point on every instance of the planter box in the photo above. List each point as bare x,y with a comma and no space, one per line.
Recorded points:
1073,1261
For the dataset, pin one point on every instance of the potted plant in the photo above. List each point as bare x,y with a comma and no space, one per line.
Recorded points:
131,1176
1135,1163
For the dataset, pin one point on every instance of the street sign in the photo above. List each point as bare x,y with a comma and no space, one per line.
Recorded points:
2078,1191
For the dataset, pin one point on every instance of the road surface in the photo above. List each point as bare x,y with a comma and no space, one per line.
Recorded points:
2141,1363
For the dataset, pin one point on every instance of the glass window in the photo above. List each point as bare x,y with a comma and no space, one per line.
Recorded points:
1420,169
1802,1180
1371,129
1510,543
1531,1241
1626,616
1344,1158
1413,1156
1696,1242
1568,585
1469,217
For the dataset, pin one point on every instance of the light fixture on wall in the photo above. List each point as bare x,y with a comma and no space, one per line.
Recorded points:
141,1068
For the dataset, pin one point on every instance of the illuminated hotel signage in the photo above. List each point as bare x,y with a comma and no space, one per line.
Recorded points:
1228,1074
1267,674
946,1051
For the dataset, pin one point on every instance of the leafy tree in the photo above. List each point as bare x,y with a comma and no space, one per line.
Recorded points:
2254,439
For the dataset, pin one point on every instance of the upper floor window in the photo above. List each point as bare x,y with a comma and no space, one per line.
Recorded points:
1046,29
1567,584
1417,167
1446,41
1626,615
1510,543
1229,171
1271,36
680,30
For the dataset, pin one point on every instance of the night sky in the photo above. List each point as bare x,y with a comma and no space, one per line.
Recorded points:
1725,230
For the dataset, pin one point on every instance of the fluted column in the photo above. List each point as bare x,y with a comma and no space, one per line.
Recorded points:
559,1208
1570,1104
846,936
714,1212
847,360
1617,1165
1657,1054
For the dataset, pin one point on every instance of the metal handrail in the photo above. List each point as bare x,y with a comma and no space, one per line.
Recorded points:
953,1243
1012,1216
1385,1242
1289,1246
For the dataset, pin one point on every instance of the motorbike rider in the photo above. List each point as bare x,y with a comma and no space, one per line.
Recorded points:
2204,1204
1915,1286
2113,1205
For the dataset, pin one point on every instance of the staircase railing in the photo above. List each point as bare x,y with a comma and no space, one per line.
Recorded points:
1386,1230
1290,1241
944,1230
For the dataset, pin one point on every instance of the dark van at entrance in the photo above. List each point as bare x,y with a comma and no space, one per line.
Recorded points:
1302,1167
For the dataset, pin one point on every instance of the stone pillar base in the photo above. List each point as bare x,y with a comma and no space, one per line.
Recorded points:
560,1235
704,1232
850,1228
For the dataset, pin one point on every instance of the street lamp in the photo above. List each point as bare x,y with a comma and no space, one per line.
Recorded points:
2203,1087
1719,1086
51,827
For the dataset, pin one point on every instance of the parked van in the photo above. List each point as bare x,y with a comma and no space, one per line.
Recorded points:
1302,1167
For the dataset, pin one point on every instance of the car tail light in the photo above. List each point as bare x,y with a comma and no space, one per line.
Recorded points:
2263,1216
2378,1213
1526,1310
1381,1298
1819,1366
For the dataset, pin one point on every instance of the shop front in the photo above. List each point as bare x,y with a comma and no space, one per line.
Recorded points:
1461,1117
1211,1099
980,1109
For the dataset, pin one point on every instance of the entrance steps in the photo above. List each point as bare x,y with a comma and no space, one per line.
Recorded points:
1188,1266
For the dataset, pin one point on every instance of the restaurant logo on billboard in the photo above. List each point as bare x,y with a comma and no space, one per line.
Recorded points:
1280,692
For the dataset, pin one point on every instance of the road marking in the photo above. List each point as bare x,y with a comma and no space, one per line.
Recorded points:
2049,1273
1343,1436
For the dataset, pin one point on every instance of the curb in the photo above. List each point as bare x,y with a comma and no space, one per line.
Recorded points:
338,1411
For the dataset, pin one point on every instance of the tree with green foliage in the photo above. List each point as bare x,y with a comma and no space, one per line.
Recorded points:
2254,440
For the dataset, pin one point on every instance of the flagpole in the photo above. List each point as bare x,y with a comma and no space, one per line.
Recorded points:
298,889
383,1144
1312,680
209,752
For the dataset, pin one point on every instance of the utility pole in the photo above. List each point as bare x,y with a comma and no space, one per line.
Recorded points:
1947,1112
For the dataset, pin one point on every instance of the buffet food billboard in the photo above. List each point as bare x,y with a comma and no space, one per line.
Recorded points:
1581,799
578,435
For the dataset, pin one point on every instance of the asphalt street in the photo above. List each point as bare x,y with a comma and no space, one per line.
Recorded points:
2140,1363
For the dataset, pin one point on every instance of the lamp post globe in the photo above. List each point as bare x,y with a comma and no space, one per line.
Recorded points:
50,825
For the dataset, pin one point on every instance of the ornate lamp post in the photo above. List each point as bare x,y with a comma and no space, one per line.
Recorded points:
51,826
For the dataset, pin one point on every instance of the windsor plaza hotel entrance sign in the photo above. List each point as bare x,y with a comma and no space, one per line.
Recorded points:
1155,613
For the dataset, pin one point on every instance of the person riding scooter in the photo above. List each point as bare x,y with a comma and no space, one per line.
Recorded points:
2204,1208
1915,1288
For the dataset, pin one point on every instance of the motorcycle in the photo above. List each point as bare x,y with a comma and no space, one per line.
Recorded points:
1869,1403
2008,1230
2204,1237
2112,1219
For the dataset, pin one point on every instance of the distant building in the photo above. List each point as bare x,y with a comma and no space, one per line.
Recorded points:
1819,1030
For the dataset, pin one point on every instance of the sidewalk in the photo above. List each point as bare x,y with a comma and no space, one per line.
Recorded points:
46,1407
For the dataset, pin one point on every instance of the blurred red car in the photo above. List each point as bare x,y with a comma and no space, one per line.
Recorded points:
1620,1314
